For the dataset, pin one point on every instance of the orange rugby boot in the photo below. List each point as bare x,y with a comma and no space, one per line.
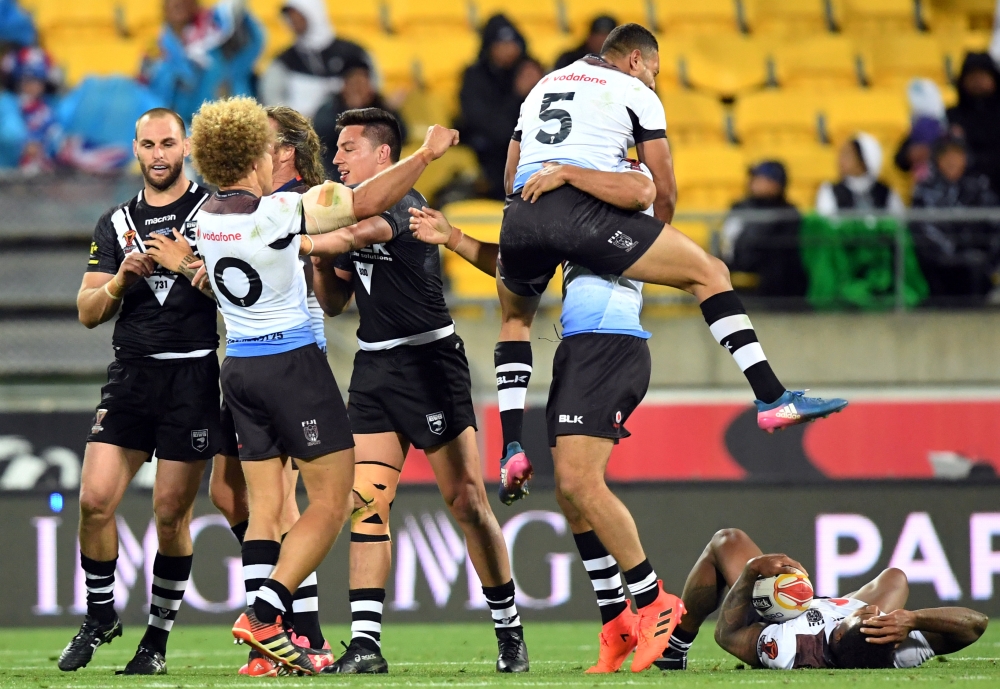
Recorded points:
618,638
272,641
657,622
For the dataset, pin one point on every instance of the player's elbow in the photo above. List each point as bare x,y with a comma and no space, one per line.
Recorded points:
646,194
89,320
978,623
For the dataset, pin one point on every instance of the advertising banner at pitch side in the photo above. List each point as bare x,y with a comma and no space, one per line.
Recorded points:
945,536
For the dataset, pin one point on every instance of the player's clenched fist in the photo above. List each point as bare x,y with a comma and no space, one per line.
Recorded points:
439,139
773,565
136,265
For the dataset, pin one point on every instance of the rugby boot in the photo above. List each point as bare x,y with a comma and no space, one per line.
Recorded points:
92,634
618,639
515,472
513,651
657,622
146,661
794,408
672,660
358,659
272,641
259,665
321,658
303,642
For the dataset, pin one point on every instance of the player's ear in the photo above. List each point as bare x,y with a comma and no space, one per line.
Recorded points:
185,146
135,149
635,62
384,151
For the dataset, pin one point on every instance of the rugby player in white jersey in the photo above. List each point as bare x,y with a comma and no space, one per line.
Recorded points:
869,628
600,374
275,380
588,115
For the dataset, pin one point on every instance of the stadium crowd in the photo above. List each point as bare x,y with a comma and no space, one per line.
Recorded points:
950,158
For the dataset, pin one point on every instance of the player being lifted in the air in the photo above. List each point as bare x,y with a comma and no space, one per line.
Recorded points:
275,380
588,115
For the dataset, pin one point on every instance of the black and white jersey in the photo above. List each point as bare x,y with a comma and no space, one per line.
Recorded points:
161,316
398,285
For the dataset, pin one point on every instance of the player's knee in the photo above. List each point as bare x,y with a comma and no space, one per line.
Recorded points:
896,578
469,505
172,515
370,508
727,538
96,507
574,487
717,273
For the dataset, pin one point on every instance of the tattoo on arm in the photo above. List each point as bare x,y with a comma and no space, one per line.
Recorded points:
187,271
738,627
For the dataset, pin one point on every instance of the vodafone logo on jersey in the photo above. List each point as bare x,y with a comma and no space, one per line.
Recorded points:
220,236
579,77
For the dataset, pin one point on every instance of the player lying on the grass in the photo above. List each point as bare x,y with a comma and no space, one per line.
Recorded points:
275,380
589,114
161,396
410,386
600,374
869,628
297,166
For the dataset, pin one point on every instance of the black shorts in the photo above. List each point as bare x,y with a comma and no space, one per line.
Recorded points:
598,380
230,446
423,392
568,225
170,407
285,404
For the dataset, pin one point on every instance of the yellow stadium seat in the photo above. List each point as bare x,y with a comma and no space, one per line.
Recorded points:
825,62
777,117
459,161
968,14
709,177
876,17
357,18
546,45
82,54
892,61
82,13
725,65
883,114
440,71
786,17
542,14
479,219
698,17
142,18
580,13
429,16
808,166
395,60
694,118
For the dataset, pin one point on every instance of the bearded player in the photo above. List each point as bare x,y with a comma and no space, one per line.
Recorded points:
869,628
410,387
600,374
275,380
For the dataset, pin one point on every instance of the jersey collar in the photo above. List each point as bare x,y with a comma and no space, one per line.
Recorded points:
289,185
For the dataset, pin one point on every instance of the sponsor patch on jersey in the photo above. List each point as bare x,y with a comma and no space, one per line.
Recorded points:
199,439
93,254
767,648
814,617
129,237
97,427
436,422
620,240
311,432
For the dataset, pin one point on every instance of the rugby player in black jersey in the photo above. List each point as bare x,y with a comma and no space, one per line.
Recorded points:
162,393
411,386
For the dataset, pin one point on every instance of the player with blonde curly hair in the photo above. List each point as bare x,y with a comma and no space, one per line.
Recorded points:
275,379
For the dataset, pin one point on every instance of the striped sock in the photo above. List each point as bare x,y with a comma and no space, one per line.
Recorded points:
259,558
170,579
305,606
273,599
501,602
604,575
240,530
513,366
100,576
731,327
366,616
680,641
642,583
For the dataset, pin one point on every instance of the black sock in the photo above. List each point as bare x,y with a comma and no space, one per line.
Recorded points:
513,366
240,530
170,579
259,558
366,617
728,321
604,575
642,583
305,611
681,640
502,607
273,599
100,576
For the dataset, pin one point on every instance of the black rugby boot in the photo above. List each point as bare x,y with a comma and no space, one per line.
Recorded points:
513,651
358,659
92,634
672,660
146,661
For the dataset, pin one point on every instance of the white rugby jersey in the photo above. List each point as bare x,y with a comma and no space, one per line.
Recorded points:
587,114
603,303
251,251
803,642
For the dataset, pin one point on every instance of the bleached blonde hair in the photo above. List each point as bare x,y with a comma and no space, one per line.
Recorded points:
227,137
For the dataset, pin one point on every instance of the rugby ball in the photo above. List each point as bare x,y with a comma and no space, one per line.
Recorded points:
783,597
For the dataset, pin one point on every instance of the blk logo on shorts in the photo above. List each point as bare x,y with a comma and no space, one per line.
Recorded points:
620,240
570,418
97,427
311,432
436,422
199,440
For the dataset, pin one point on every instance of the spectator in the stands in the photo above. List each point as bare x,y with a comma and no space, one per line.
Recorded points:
763,252
927,125
16,27
32,134
528,72
315,66
599,30
859,188
358,92
958,258
203,53
977,114
489,103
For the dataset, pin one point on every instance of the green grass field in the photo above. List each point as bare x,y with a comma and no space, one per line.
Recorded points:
454,656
